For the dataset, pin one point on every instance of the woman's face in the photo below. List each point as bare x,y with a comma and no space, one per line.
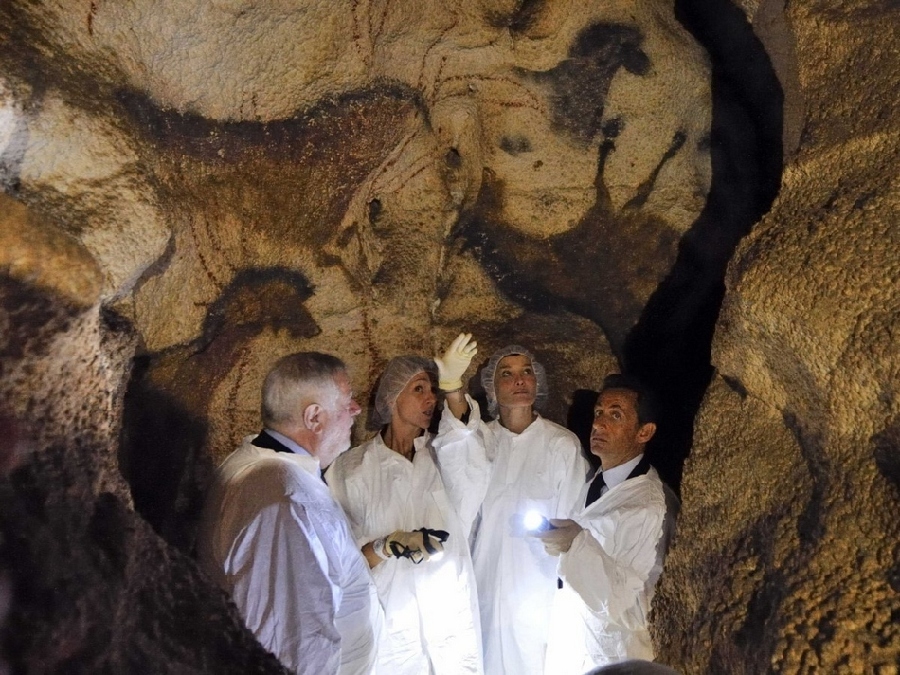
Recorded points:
415,404
515,383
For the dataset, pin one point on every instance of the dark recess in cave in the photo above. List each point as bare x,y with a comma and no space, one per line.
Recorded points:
886,452
161,457
669,347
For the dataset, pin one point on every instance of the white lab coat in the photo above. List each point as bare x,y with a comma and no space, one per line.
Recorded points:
609,575
431,609
274,538
505,475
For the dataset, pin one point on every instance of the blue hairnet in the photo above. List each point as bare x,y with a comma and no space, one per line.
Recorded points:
487,377
398,372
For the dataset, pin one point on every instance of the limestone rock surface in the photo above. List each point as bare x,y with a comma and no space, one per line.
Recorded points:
93,588
787,557
192,189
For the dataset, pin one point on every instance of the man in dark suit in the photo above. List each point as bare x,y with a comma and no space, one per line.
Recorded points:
611,550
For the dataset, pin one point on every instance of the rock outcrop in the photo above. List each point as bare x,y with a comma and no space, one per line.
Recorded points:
190,192
787,558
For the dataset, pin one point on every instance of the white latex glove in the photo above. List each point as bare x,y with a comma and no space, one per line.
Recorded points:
452,365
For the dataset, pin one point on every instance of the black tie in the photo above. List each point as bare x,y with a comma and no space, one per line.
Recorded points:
597,484
594,490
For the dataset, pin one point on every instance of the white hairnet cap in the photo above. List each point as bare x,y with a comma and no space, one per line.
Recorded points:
398,372
487,377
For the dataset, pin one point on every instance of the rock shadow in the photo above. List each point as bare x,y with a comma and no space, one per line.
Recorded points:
670,345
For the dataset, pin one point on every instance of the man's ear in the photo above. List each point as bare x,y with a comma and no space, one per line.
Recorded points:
646,431
313,417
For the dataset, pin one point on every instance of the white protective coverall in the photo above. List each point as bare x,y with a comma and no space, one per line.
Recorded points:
276,540
609,575
505,475
431,609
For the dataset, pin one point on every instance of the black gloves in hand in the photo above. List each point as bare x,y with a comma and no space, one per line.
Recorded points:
418,545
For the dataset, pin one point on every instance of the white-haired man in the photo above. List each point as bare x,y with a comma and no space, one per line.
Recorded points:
275,539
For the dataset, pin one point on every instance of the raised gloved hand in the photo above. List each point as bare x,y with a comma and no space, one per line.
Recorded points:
418,545
453,363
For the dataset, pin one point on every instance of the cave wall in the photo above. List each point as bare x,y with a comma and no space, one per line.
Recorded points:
193,189
92,587
787,558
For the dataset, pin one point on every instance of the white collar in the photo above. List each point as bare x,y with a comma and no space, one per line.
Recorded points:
288,443
419,442
535,422
618,474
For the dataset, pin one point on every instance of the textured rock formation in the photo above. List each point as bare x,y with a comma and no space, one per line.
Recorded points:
207,186
193,189
787,557
94,588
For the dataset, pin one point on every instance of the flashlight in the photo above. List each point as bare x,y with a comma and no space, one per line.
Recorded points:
534,521
440,536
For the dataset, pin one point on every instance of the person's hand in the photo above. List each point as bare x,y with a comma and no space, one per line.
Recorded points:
453,363
418,545
559,538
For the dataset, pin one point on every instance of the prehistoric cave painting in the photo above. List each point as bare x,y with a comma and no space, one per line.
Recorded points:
605,265
252,194
164,453
586,270
257,299
581,82
304,170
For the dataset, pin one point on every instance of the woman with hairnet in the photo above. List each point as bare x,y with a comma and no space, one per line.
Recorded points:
410,534
515,466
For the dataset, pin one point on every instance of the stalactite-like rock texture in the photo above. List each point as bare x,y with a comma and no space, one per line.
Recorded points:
192,189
